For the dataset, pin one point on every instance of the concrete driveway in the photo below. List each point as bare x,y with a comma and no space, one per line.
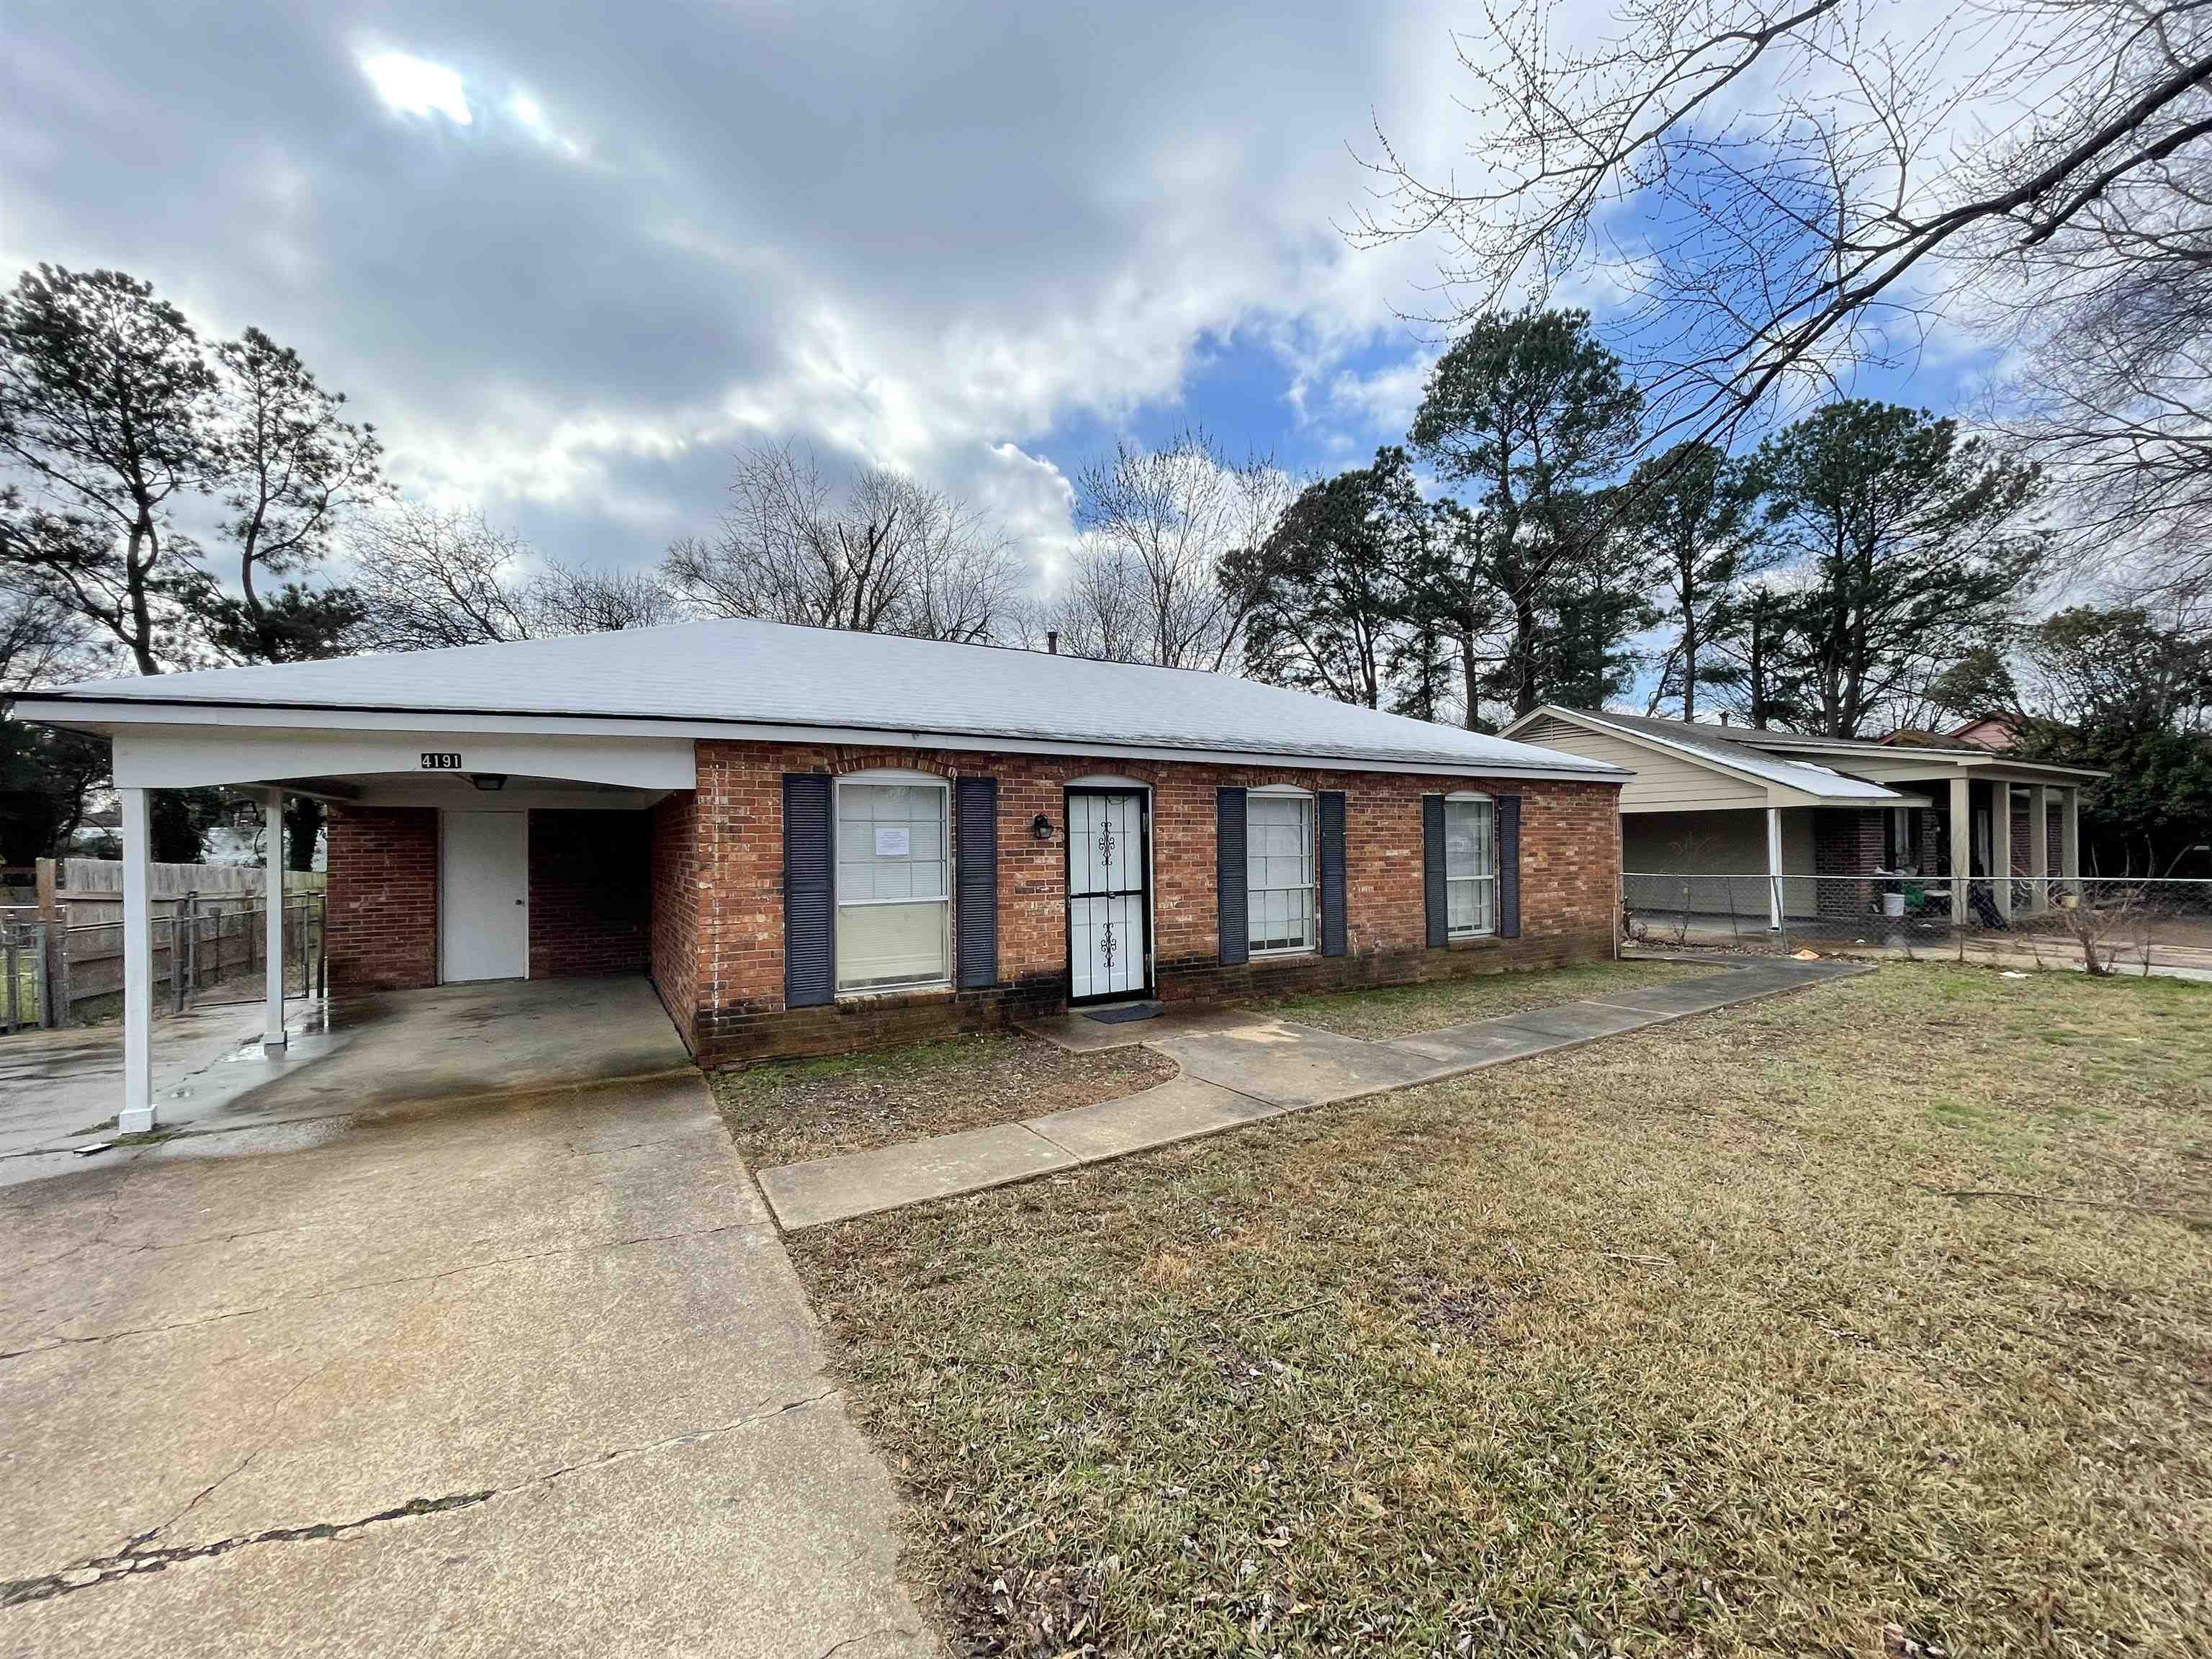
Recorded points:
528,1375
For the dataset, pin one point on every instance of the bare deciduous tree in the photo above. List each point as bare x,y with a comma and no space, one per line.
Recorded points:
564,599
1160,524
1785,189
883,554
435,577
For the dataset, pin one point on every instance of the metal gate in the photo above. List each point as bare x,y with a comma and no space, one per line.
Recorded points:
1110,901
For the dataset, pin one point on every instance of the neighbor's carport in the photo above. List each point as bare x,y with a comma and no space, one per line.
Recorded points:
479,779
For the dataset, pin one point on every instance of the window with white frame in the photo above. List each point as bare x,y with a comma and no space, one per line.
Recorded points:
1470,865
894,893
1279,863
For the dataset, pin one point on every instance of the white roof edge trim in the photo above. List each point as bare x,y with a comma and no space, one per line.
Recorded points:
1690,751
1964,757
70,712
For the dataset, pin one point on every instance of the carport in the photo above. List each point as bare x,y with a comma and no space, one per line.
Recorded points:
452,825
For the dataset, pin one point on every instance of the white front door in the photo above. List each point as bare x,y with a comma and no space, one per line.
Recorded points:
483,896
1109,894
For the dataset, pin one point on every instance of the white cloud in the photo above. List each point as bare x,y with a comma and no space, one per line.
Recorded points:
415,86
909,236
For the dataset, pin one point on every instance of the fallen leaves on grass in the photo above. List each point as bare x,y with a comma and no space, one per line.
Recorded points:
1407,1377
849,1103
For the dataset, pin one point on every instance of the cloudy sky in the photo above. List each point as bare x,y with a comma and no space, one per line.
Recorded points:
567,257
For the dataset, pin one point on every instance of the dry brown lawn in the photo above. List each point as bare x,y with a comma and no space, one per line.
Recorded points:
1873,1320
852,1104
1402,1010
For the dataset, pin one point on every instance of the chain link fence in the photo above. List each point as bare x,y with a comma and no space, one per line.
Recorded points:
2105,923
205,953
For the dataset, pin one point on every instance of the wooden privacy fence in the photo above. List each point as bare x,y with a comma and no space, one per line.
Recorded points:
203,952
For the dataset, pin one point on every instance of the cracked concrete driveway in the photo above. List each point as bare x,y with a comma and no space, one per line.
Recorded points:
533,1376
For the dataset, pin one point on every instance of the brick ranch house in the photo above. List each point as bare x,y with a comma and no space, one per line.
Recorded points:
815,840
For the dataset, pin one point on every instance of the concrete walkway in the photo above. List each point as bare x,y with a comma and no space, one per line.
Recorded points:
1239,1068
530,1376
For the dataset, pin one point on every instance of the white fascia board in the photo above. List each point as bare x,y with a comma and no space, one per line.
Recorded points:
187,758
119,719
1903,757
2073,774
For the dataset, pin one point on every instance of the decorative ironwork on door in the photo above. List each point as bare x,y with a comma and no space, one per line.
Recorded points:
1108,904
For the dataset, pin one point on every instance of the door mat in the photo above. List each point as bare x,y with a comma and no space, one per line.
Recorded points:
1123,1015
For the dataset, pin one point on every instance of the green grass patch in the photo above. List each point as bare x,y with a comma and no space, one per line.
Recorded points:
1678,1343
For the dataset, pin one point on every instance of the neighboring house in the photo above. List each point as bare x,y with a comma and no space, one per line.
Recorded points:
100,835
1997,730
1721,801
813,840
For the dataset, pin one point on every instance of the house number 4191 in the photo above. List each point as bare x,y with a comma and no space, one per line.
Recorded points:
447,762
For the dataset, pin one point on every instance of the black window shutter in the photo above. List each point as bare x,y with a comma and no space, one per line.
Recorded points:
1508,866
1332,930
1435,903
810,899
1230,894
975,803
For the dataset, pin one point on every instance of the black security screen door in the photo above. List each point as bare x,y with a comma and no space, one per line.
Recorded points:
1109,919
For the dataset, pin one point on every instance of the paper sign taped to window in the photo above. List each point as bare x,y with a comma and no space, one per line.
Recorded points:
894,840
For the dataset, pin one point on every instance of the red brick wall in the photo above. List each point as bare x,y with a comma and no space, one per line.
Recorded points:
676,901
1847,842
1571,860
590,893
382,933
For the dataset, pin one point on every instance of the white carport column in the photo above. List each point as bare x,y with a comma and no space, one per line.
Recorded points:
2001,846
272,921
1962,845
2038,847
2070,838
137,1116
1774,868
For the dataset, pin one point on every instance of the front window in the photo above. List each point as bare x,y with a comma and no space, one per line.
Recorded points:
893,896
1470,865
1278,863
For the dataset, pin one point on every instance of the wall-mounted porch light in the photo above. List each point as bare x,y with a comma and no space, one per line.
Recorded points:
488,781
1040,827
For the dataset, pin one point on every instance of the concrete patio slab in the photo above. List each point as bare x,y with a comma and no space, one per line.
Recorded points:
1480,1043
1693,996
1179,1109
359,1058
943,1166
1578,1022
1287,1064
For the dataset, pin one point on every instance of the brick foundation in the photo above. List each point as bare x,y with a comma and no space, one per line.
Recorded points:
382,931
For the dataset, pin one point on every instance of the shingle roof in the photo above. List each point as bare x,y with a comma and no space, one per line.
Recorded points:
745,673
1708,742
